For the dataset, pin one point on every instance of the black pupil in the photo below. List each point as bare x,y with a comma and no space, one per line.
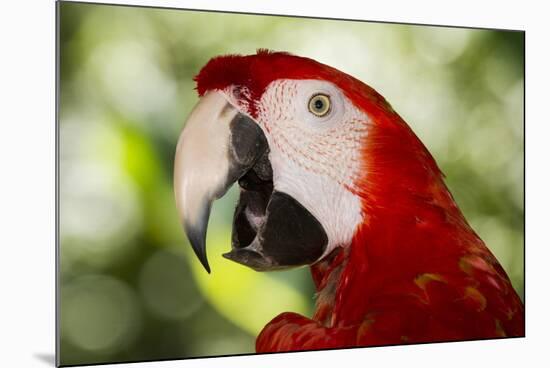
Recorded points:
319,104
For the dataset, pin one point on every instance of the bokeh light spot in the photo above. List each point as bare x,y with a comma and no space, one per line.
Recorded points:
99,313
164,287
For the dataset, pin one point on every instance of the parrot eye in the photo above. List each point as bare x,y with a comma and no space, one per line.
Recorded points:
319,105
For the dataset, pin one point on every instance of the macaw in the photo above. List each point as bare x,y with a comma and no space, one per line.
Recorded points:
333,178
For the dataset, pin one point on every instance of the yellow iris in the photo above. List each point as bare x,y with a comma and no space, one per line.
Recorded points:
319,104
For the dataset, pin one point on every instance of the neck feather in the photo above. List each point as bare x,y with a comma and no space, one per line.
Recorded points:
396,243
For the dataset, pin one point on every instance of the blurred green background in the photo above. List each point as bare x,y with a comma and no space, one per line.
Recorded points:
131,288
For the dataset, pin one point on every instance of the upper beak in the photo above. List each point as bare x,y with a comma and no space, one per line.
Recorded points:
217,146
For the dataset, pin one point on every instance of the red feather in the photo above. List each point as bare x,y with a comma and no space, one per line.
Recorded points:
257,71
415,270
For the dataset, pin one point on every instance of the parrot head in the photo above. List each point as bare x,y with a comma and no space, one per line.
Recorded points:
317,154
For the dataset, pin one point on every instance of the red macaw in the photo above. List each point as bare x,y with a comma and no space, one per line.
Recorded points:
332,177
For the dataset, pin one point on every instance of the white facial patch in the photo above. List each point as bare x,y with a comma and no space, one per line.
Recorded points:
316,160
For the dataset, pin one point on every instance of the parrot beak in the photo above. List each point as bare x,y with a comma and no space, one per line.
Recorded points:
218,147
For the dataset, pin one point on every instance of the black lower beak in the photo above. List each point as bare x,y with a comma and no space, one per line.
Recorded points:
288,234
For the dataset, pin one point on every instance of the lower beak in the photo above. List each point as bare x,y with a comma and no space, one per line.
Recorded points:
218,147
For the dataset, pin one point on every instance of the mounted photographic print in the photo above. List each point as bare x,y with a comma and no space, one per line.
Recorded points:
238,184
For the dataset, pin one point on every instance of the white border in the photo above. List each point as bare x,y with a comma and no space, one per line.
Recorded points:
27,181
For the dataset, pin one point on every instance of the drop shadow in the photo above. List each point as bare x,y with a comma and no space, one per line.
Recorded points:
46,358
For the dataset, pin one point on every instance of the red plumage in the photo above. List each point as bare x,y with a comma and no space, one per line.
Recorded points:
415,270
257,71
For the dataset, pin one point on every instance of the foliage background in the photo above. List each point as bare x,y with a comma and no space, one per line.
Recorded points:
130,288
